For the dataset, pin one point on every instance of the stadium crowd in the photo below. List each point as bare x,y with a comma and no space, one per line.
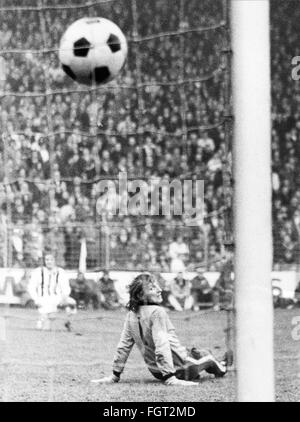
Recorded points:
158,121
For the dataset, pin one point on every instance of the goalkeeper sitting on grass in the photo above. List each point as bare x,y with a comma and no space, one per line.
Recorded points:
148,326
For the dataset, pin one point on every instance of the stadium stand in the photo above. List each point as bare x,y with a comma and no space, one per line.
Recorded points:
50,181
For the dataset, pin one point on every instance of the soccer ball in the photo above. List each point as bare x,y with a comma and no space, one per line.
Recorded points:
93,51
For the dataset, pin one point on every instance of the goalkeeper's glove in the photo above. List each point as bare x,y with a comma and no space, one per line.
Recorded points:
175,381
111,379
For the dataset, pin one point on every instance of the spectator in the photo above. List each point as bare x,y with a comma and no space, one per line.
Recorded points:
83,292
108,297
203,294
178,251
279,300
180,297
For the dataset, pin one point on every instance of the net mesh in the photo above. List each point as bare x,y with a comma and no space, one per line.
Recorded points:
60,139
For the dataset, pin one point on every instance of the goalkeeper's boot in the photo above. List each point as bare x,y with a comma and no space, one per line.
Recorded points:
217,368
220,368
208,362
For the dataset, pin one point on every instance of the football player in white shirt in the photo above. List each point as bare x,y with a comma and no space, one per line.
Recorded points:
49,288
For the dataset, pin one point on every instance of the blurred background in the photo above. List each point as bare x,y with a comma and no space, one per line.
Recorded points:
167,116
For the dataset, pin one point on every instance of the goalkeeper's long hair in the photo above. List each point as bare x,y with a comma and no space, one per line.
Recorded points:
136,291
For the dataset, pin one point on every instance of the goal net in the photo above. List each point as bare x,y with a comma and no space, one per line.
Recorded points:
166,117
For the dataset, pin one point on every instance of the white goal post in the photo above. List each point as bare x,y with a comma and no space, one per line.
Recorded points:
252,199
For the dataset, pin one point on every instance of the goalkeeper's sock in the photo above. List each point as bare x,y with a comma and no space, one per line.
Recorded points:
212,366
220,368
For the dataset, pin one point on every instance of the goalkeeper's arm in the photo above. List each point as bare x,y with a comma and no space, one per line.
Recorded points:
124,347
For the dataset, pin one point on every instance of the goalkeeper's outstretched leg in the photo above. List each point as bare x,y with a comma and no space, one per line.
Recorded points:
203,360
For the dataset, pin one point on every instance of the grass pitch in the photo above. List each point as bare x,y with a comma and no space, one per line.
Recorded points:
58,365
